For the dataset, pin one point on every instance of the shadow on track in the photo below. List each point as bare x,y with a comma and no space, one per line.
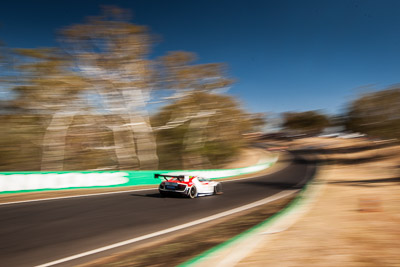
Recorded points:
270,184
153,195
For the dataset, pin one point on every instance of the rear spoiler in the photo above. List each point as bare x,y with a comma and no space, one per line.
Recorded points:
165,176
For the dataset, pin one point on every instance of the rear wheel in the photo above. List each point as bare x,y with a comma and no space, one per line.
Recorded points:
218,189
162,193
193,192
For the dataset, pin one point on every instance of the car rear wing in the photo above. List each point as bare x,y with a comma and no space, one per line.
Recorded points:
165,176
182,178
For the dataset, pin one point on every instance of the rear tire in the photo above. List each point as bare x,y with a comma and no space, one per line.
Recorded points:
193,192
218,189
162,193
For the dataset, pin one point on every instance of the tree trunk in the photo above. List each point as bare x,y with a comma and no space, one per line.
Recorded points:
194,140
54,142
146,147
124,148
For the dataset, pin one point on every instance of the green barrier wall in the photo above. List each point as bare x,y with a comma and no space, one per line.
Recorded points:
19,182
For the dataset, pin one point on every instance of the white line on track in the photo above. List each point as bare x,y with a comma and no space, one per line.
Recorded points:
277,196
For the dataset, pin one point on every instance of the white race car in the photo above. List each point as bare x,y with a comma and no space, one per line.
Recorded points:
190,186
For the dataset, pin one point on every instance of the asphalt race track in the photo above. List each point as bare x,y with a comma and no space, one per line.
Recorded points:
40,232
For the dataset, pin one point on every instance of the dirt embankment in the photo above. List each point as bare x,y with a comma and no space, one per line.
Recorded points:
355,222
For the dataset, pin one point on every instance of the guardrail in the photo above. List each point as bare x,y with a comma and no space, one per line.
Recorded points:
20,182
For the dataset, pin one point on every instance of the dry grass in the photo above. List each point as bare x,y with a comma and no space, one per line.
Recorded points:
356,220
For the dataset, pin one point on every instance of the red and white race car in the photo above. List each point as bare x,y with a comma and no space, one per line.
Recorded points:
191,186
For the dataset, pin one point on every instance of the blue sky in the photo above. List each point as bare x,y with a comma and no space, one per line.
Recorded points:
285,55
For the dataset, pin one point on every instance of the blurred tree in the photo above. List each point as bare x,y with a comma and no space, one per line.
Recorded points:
112,53
376,114
309,122
3,60
7,77
196,82
200,130
180,75
258,121
48,87
103,75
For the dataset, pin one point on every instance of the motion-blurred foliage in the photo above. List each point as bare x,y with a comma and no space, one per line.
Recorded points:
309,122
376,114
200,130
84,105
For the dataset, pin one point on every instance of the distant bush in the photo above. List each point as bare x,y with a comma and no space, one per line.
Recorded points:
309,122
376,114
